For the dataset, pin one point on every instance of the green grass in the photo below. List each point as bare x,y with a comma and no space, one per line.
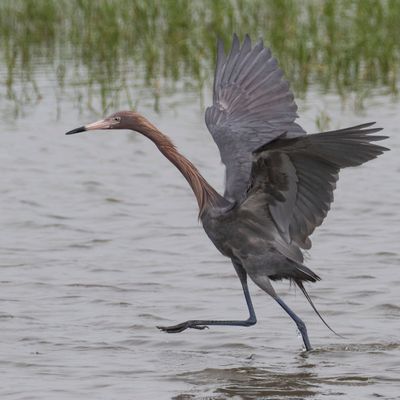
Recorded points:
344,46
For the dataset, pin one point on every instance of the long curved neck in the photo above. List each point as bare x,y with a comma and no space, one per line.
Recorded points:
204,192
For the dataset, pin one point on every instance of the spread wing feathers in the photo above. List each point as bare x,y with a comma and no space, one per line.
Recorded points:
294,179
252,105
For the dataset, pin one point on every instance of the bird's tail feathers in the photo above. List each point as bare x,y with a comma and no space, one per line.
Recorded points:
302,273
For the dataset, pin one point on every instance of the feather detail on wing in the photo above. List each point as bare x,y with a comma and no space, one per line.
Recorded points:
295,178
252,105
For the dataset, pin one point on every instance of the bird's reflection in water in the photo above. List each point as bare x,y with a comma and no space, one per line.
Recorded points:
308,374
251,383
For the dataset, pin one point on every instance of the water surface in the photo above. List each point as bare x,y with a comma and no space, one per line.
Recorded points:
100,243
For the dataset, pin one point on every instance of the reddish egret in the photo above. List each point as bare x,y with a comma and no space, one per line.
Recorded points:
279,180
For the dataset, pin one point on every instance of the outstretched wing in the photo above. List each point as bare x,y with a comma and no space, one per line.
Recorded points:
252,105
295,178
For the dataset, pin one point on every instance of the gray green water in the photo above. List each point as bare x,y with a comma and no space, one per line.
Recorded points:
99,237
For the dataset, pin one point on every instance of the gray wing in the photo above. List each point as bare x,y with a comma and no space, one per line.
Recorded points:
294,179
252,105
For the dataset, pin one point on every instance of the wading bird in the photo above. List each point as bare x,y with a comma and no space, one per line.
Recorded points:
279,180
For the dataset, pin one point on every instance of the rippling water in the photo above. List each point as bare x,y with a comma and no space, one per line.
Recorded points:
100,243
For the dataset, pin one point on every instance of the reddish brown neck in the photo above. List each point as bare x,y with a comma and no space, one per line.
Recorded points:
204,192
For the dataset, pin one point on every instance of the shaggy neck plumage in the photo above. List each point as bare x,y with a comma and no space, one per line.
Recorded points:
204,192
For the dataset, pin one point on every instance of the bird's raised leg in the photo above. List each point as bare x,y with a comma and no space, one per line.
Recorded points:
300,324
202,324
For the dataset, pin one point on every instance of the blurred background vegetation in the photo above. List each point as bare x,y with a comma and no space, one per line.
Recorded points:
112,48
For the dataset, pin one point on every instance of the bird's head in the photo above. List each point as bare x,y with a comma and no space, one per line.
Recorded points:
118,120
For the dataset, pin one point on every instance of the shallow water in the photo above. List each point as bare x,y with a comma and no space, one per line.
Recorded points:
100,243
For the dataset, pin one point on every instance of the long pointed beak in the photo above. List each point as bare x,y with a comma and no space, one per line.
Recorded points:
102,124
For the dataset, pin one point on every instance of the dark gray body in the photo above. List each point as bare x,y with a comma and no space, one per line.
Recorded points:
254,242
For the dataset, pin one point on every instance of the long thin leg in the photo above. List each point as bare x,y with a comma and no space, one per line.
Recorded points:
202,324
300,324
